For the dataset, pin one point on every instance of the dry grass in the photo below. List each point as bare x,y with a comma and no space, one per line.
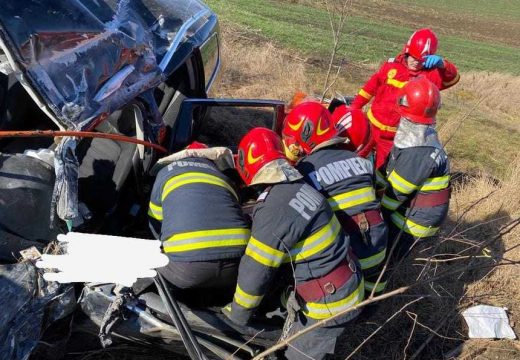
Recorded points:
482,206
500,92
257,70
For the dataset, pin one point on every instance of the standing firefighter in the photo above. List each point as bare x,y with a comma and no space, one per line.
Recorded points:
294,232
194,211
344,178
417,194
418,58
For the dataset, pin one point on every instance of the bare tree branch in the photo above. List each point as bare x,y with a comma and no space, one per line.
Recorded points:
337,29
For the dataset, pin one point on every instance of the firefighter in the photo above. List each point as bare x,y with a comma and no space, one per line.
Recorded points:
294,232
418,58
194,210
344,178
417,194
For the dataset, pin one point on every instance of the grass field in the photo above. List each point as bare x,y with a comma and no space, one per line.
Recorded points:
376,30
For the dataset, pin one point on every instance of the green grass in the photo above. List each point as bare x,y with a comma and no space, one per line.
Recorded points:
306,29
491,9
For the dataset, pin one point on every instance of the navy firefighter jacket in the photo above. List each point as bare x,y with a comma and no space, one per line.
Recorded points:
411,172
195,212
344,178
293,224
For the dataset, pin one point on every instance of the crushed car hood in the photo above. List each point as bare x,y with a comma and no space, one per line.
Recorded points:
83,59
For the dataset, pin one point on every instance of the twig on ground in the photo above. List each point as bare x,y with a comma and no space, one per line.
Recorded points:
412,316
433,260
430,337
381,326
244,344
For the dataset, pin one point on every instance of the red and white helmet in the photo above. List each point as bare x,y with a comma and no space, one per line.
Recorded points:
258,147
419,100
352,124
422,42
307,125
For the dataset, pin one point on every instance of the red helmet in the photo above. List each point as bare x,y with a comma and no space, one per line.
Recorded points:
352,124
422,42
419,101
307,125
257,148
197,145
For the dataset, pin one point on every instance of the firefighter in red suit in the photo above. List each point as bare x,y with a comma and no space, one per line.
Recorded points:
418,58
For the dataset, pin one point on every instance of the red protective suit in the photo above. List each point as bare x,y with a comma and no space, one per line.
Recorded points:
384,86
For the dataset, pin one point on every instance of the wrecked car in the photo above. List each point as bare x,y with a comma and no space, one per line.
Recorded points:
92,94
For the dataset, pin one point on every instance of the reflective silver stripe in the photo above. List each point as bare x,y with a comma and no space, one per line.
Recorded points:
315,243
194,178
411,227
155,211
436,183
401,184
373,260
206,238
246,300
203,239
323,311
389,203
369,286
352,198
263,253
380,179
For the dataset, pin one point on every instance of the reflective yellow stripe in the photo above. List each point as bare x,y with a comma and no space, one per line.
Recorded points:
452,82
315,243
246,300
389,203
436,183
369,286
380,179
155,211
373,260
379,124
194,178
365,94
196,240
401,184
324,311
411,227
264,254
396,83
352,198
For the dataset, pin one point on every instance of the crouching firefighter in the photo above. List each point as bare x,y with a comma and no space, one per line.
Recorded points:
294,231
194,211
346,181
417,192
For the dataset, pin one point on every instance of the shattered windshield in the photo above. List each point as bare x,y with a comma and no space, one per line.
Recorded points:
87,58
